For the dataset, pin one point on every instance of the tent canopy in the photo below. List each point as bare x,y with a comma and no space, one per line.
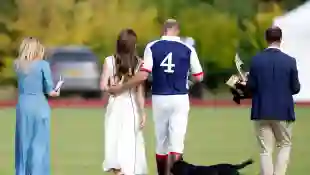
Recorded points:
296,20
295,26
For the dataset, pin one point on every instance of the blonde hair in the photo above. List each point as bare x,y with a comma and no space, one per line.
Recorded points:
30,49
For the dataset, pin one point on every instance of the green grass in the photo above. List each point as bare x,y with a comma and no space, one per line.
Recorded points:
214,135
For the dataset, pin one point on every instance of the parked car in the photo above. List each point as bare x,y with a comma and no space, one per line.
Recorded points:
80,69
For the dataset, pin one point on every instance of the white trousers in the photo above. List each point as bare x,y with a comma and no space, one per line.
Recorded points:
170,114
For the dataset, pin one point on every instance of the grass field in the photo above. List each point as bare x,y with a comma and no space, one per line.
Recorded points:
214,135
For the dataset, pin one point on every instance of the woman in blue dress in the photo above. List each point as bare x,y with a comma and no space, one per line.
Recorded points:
32,137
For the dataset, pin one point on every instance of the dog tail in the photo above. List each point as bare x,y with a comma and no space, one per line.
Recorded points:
244,164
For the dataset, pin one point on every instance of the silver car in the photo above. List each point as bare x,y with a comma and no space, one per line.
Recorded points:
80,69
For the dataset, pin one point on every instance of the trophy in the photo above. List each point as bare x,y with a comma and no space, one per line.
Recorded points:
238,90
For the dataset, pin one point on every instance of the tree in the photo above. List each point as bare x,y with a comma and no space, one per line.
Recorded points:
215,33
291,4
65,22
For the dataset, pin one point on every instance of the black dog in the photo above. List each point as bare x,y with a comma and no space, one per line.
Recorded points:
183,168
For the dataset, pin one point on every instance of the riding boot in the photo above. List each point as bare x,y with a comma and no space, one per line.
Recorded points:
172,158
161,161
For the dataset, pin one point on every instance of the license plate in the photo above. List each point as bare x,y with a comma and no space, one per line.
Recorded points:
73,73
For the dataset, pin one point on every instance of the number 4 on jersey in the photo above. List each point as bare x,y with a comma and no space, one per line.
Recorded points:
167,62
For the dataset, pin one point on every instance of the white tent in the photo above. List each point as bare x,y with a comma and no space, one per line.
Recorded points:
295,26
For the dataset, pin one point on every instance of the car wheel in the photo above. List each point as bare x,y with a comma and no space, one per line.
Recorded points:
92,95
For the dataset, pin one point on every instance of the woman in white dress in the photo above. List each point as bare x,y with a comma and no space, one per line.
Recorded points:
125,116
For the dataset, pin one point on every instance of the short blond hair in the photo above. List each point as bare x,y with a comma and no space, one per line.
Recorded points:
169,24
30,49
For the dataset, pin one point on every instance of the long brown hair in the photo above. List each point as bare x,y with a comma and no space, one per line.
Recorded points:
126,59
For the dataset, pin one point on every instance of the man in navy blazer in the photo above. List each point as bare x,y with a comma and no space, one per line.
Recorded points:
272,80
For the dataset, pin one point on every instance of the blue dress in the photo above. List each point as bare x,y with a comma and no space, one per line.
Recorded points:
32,137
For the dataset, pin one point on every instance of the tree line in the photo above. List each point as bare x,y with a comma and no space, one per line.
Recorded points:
220,27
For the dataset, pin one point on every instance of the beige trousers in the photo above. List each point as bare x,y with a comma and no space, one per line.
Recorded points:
271,133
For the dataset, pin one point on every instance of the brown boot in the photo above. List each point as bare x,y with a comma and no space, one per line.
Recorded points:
161,161
172,158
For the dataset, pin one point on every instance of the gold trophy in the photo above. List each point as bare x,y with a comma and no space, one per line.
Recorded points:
234,82
240,77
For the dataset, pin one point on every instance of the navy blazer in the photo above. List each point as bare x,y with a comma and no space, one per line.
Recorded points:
273,79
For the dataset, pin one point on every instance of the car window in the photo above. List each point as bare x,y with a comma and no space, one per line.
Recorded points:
72,57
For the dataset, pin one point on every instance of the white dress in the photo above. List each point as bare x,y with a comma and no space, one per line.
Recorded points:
124,143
